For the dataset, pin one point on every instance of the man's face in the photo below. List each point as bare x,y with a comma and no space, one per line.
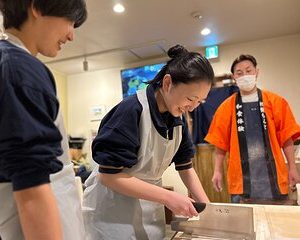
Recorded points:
53,33
244,68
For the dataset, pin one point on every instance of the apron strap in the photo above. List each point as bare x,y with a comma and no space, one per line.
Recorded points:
241,129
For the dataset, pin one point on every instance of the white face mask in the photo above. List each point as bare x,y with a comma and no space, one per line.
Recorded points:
246,82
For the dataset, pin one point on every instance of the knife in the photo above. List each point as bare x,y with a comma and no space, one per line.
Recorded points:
199,206
220,221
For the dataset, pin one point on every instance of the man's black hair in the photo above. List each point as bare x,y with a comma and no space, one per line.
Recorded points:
15,11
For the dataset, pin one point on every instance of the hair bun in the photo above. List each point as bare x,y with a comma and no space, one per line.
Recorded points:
177,51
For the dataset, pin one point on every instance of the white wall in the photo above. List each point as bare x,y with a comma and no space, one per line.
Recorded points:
278,60
85,91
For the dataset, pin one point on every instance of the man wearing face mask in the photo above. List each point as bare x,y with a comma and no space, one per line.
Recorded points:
254,125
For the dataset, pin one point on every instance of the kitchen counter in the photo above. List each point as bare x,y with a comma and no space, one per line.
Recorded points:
270,222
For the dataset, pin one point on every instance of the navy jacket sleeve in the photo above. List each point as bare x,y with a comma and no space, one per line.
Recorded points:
117,143
186,151
29,139
203,114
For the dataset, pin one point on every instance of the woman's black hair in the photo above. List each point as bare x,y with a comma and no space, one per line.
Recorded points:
15,11
185,67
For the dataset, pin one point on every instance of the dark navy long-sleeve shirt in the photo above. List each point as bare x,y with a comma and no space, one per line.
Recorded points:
117,143
203,114
29,140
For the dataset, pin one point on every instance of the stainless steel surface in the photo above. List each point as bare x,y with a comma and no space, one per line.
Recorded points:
219,222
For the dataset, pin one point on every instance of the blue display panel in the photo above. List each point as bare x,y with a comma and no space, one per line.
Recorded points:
134,79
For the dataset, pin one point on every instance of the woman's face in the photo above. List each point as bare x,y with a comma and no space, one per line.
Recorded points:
183,97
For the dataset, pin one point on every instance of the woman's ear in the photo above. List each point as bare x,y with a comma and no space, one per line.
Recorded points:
166,83
33,12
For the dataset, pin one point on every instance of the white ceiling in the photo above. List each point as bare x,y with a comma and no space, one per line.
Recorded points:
149,27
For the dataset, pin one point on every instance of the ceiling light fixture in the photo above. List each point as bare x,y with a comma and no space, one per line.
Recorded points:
205,31
196,15
119,8
85,65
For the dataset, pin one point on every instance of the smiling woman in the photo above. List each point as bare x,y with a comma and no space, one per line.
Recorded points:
184,82
137,141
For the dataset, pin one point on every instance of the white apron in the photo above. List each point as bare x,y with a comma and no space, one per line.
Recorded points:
109,215
65,191
66,194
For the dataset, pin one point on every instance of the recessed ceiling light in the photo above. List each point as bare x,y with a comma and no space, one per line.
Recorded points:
196,15
205,31
119,8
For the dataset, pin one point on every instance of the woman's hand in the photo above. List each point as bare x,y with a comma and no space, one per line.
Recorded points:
180,205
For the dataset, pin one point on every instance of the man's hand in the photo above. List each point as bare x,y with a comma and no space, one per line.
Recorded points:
294,178
217,181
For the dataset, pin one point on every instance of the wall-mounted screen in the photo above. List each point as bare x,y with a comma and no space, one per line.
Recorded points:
134,79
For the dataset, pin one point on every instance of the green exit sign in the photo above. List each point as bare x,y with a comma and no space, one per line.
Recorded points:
212,52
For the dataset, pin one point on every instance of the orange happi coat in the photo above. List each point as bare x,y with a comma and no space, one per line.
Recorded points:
281,126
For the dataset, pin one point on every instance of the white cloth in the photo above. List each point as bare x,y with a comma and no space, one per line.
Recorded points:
109,215
253,97
66,194
64,189
17,42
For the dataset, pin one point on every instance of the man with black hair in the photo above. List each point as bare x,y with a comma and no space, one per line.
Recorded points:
33,147
255,126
